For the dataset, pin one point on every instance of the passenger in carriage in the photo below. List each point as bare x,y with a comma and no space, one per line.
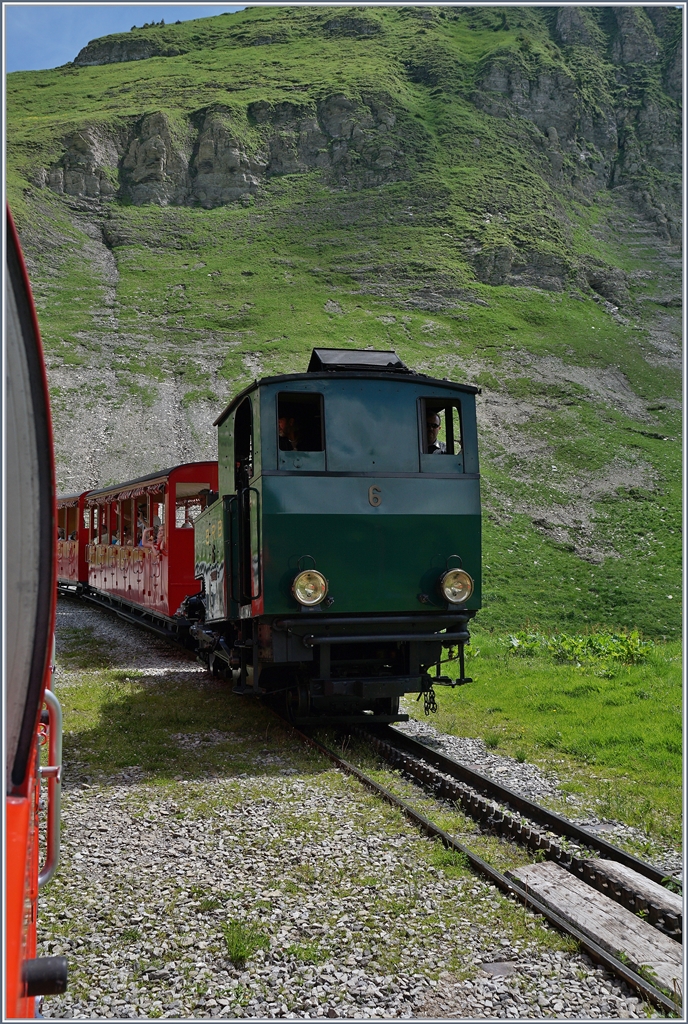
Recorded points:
148,537
60,533
72,535
141,526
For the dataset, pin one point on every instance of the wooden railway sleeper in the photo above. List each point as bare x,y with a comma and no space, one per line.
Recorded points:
508,825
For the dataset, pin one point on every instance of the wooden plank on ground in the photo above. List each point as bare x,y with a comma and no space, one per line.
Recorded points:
653,892
610,925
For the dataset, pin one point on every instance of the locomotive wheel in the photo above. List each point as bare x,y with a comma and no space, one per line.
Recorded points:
299,701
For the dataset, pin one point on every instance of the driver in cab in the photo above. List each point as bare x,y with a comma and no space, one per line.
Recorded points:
434,423
289,434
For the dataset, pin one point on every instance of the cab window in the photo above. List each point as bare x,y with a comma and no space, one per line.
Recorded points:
243,445
300,422
440,427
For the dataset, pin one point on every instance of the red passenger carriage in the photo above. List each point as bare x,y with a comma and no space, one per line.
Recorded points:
135,541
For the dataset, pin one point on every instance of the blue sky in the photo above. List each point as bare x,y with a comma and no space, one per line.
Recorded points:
39,36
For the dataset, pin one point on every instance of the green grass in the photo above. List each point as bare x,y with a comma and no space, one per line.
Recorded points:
242,940
611,730
307,953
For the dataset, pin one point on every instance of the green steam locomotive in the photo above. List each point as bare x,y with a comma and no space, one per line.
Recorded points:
343,552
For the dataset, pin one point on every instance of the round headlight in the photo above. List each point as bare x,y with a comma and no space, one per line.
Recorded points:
456,586
309,587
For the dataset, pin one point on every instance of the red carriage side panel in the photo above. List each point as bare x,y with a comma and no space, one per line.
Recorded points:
187,497
72,540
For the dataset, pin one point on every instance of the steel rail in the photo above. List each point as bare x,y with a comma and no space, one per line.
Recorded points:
534,811
507,885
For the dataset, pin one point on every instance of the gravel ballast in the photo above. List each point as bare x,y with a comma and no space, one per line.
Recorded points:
349,914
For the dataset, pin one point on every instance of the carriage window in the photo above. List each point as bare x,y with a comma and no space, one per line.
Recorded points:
440,427
300,422
71,523
141,518
191,501
115,523
127,537
157,512
100,524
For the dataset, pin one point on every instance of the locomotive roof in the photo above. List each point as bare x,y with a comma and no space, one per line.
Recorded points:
346,364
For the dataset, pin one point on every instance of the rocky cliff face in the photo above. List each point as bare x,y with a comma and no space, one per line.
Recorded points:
608,138
208,164
603,106
102,51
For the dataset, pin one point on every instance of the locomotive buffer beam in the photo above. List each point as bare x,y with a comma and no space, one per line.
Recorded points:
438,621
380,638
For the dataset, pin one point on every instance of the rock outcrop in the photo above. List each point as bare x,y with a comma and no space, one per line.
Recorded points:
121,49
206,163
88,167
608,140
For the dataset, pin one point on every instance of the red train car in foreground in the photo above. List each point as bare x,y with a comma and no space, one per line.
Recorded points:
29,621
131,545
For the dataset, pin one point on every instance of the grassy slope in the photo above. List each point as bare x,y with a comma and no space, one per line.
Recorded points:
257,279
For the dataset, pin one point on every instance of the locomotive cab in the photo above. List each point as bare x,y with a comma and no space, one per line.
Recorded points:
345,551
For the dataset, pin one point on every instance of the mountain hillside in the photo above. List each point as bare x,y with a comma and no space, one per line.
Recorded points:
495,193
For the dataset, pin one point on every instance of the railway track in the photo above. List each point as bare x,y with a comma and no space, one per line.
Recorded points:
511,815
567,847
